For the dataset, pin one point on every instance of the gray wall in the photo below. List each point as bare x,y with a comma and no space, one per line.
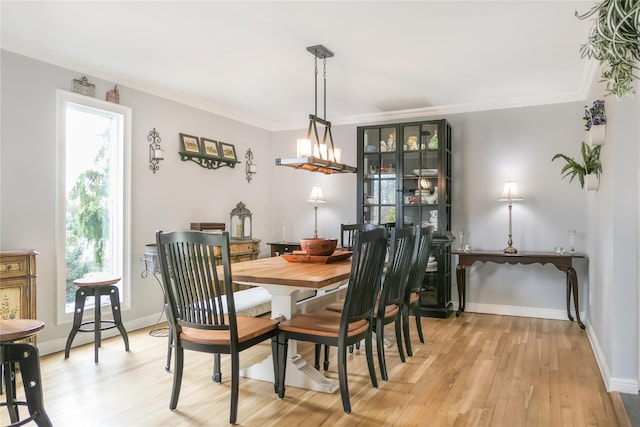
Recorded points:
489,148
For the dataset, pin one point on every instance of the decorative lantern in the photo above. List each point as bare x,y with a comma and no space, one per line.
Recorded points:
240,223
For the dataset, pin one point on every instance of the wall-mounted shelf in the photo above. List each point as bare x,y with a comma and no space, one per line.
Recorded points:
207,162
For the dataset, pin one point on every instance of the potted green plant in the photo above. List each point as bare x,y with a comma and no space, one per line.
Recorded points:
588,170
614,42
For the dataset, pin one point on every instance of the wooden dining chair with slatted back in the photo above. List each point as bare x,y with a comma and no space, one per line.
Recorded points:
347,240
193,290
389,304
340,330
411,305
348,233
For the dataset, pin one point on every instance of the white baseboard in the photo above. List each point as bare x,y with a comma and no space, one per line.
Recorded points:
57,345
519,311
622,385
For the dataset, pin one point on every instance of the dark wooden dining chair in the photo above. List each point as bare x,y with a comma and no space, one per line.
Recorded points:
193,291
411,305
353,324
348,233
389,304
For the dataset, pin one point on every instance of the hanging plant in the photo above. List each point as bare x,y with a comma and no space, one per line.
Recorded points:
615,42
590,164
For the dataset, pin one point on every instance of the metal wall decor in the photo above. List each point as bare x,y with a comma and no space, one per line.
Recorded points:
83,87
207,153
251,168
156,153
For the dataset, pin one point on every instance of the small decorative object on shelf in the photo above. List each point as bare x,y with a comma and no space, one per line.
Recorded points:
595,123
156,153
83,87
207,153
572,240
240,224
114,95
251,168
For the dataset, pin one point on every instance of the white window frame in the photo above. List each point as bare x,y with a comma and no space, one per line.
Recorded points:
64,97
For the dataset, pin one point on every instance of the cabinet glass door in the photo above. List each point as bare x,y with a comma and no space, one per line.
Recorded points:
379,172
420,174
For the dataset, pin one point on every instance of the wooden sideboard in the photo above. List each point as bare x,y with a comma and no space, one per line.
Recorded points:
18,284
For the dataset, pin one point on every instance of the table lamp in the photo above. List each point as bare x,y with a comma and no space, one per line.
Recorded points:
316,197
510,193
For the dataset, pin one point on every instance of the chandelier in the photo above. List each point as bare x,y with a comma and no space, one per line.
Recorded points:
318,155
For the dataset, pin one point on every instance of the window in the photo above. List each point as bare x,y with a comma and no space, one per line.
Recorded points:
93,194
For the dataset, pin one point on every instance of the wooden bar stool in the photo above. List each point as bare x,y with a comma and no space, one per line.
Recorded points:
96,286
26,356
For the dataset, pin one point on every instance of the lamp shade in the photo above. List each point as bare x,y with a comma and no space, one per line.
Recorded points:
510,192
316,195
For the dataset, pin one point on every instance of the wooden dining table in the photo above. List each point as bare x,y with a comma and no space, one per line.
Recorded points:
283,280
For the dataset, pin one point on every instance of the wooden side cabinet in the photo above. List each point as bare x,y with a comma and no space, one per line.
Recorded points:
18,284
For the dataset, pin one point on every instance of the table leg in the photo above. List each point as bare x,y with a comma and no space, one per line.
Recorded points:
461,278
568,291
573,278
298,372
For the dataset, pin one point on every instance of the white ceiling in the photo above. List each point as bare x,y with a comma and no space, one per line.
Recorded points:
248,60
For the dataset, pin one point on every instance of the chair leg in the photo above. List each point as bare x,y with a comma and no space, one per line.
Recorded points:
380,348
177,378
316,356
26,355
282,363
235,385
81,296
405,328
327,352
217,374
398,326
10,383
114,294
416,313
369,350
342,378
276,360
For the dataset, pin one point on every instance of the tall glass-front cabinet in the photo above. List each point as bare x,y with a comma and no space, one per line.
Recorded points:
404,179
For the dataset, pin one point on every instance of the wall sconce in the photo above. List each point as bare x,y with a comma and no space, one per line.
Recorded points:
251,167
240,223
156,153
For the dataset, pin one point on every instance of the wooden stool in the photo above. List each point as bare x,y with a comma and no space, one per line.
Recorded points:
96,287
26,356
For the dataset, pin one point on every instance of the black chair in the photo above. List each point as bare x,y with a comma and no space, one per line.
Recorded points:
411,305
389,305
340,330
193,289
348,233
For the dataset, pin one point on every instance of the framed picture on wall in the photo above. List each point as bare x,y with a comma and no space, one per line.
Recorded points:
189,144
210,147
228,151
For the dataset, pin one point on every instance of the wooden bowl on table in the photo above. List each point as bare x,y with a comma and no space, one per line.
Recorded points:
322,247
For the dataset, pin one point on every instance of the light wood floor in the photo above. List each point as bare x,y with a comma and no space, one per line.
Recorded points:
474,370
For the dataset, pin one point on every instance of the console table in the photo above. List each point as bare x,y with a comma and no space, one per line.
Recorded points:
279,248
562,261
